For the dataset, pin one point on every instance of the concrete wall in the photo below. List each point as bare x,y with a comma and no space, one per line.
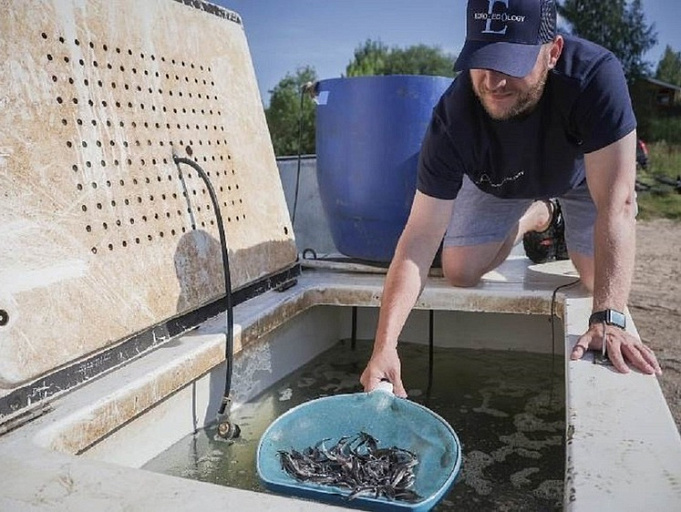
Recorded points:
309,224
102,234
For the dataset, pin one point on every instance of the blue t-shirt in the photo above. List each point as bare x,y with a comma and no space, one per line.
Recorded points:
585,107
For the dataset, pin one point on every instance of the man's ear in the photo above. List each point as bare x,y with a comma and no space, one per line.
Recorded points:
555,51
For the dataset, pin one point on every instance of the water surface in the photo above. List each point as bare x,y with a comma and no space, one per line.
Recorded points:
506,407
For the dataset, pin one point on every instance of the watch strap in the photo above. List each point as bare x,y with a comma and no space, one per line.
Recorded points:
610,317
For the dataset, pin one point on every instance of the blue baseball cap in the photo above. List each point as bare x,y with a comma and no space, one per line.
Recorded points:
506,35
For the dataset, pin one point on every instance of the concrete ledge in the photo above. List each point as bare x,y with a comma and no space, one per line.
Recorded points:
623,449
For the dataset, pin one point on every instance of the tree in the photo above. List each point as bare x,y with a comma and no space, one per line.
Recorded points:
370,59
421,60
669,67
618,25
375,58
291,115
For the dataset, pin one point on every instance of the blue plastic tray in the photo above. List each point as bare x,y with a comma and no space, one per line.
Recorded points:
391,420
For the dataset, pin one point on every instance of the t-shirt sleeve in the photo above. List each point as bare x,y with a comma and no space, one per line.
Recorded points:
604,113
439,170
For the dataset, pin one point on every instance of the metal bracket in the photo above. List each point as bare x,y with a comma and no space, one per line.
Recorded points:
601,358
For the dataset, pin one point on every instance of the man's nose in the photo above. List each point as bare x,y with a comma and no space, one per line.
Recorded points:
494,80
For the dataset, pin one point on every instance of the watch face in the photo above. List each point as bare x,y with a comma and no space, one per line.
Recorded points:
615,318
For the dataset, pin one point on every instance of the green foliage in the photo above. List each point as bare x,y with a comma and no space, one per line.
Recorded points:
370,59
292,132
659,205
669,67
375,58
666,130
660,201
618,25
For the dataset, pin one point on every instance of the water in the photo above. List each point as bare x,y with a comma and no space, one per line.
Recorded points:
506,407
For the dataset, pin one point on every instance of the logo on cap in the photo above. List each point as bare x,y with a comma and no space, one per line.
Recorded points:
503,17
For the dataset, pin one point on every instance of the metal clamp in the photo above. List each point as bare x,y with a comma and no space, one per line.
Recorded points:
602,357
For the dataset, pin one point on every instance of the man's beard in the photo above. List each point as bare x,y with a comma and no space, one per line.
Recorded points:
524,105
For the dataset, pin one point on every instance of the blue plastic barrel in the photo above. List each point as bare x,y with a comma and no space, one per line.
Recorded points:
369,132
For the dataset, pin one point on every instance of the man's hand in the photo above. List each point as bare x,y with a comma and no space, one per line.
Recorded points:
384,364
621,347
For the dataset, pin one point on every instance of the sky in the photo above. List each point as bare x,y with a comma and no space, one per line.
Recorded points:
285,35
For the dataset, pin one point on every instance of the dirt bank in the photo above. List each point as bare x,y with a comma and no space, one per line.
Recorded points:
655,301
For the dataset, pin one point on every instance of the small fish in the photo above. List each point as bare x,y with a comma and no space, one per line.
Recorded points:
357,464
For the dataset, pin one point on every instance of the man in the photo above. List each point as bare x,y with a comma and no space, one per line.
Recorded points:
533,116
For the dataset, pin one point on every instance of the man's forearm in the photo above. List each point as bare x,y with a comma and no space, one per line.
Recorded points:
614,255
408,271
403,284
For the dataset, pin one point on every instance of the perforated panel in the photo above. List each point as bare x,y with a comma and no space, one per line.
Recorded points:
103,235
136,140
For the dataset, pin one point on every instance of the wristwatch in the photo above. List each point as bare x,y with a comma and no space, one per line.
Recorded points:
610,317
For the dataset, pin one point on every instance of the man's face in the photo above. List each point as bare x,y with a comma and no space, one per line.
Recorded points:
505,97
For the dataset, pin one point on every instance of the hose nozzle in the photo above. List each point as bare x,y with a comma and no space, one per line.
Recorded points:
227,430
310,88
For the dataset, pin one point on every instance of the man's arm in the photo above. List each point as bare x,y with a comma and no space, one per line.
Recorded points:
406,277
611,176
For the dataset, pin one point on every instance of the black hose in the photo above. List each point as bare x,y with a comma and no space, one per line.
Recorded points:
431,349
300,143
310,89
554,296
229,349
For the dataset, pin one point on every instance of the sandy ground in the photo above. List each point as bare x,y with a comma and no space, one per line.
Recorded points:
655,301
